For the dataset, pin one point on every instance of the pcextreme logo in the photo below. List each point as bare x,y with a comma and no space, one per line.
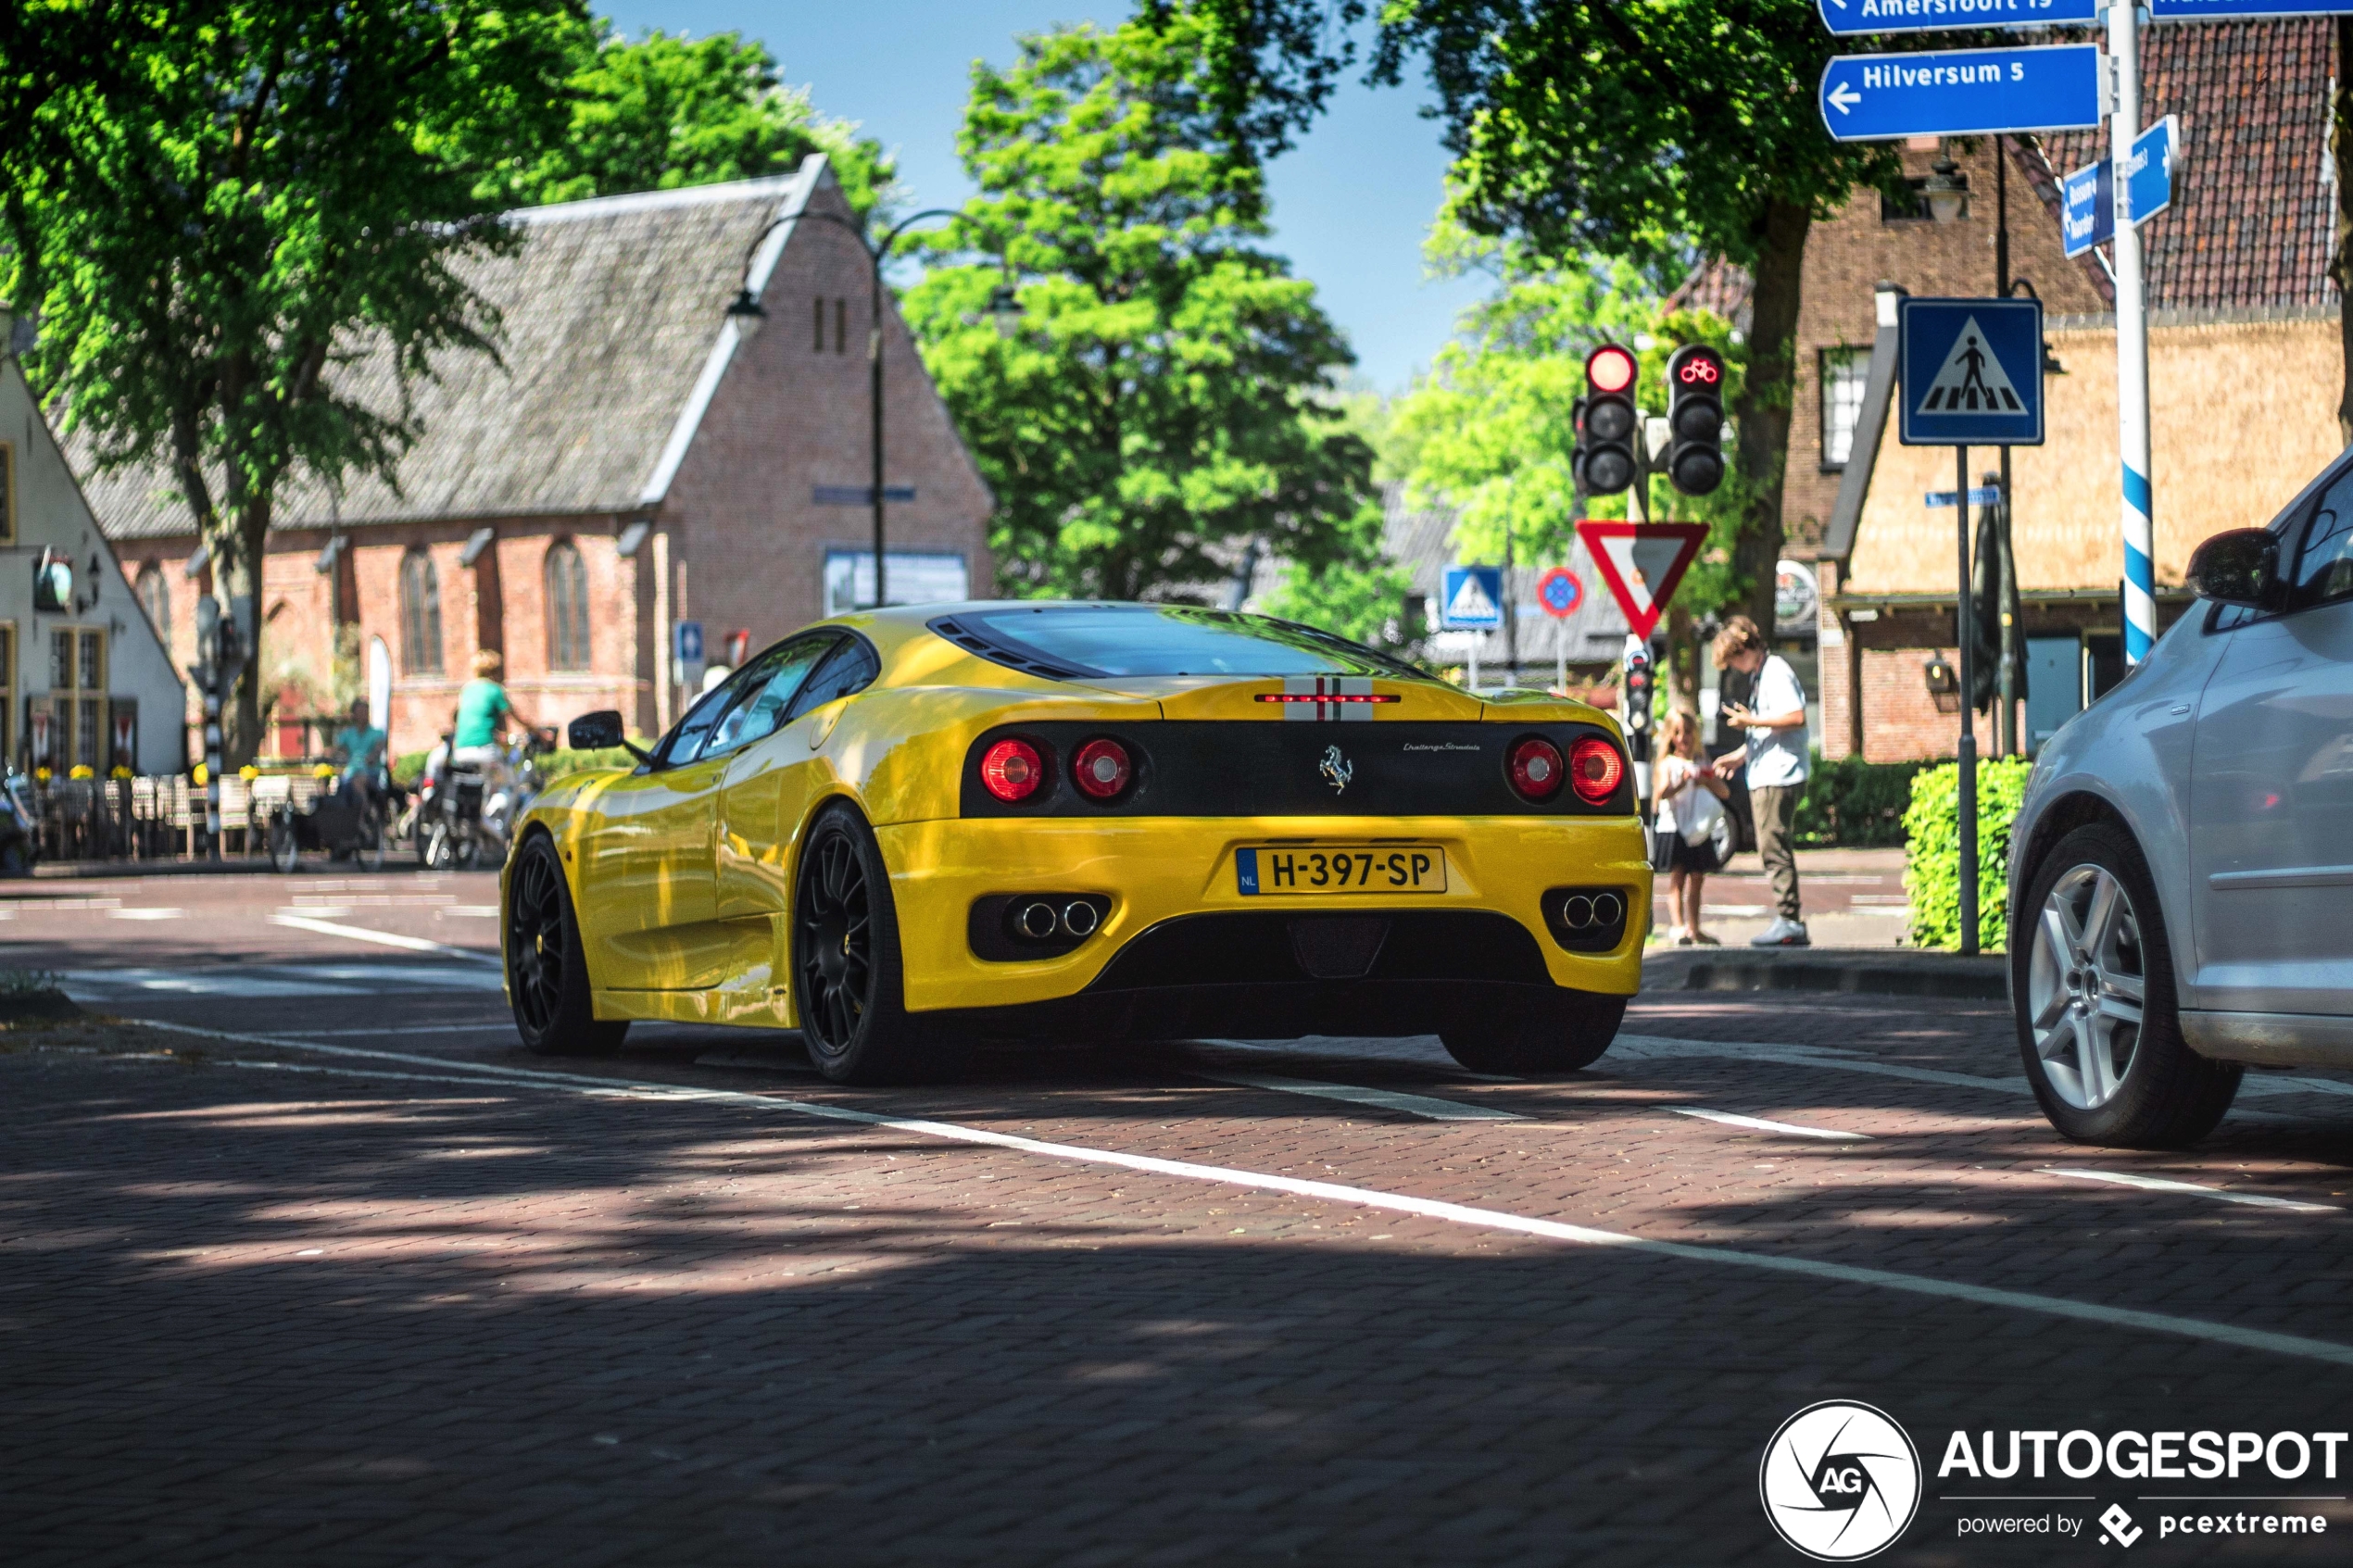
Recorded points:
1840,1481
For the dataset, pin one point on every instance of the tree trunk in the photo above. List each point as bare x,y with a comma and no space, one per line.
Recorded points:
1682,659
1762,409
2341,264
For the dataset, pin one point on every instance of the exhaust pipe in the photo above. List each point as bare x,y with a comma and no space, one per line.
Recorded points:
1080,917
1577,911
1034,920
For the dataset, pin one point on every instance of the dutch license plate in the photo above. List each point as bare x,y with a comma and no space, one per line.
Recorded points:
1385,868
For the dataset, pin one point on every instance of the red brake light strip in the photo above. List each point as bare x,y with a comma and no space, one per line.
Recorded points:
1331,696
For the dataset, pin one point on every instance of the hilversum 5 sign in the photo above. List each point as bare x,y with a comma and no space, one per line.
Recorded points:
1855,19
1963,92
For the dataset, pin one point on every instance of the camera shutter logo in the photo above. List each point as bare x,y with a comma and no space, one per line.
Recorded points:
1840,1481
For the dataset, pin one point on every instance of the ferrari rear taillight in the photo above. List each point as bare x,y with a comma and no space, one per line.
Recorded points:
1594,770
1012,770
1102,770
1536,768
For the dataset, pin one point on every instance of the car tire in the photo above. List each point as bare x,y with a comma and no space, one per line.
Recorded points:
546,967
2105,1067
848,985
1562,1033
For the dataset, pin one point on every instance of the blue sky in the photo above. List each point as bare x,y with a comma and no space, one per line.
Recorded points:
1351,202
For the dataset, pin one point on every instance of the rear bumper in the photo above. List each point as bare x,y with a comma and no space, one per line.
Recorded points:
1178,926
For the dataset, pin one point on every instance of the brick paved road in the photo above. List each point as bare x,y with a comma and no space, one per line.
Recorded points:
269,1304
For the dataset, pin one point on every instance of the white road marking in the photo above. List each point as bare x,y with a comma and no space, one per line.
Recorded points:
282,980
757,1062
2100,1315
2220,1195
146,914
1758,1123
503,1023
1422,1106
474,911
383,939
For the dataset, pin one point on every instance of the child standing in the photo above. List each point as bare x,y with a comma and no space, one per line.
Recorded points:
1687,800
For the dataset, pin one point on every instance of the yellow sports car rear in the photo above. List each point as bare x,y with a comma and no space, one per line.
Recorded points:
906,830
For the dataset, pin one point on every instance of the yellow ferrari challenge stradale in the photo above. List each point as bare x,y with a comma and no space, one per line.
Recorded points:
907,830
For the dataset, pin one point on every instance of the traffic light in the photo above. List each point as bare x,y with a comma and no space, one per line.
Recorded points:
1607,422
1637,703
1695,418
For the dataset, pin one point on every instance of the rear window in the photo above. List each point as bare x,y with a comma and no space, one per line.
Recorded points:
1111,639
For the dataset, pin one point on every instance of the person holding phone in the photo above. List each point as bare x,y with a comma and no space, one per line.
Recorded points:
1776,760
1687,800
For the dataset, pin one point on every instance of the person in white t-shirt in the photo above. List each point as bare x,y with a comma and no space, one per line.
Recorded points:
1776,761
1687,800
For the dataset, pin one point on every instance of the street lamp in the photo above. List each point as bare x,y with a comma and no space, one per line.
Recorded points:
750,316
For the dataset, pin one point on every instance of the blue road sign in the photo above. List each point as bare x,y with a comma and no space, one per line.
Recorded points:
1979,496
1962,92
2244,11
2148,173
1969,372
2087,207
687,642
1473,599
1852,19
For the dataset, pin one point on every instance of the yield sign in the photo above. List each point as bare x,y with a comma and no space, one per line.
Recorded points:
1642,563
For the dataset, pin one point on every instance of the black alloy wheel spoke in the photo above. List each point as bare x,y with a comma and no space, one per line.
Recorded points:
835,963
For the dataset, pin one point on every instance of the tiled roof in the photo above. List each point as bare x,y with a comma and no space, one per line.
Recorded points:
611,309
2254,228
1719,285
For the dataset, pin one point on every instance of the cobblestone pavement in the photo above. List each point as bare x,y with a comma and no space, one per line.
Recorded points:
335,1272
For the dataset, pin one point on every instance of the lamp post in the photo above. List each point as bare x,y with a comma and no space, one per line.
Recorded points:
750,316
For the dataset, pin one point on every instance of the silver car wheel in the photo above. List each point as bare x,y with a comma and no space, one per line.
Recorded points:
2086,986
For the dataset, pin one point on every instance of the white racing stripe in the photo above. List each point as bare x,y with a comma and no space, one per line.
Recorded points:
2102,1316
382,939
1758,1123
2221,1195
1423,1106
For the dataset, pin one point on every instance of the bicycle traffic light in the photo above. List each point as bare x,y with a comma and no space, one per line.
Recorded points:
1607,422
1696,419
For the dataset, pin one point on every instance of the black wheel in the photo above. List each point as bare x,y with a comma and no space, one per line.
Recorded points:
286,848
1560,1033
547,969
375,838
2100,1023
846,974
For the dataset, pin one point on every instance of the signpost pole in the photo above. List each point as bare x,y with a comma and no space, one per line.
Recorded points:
2132,346
1966,629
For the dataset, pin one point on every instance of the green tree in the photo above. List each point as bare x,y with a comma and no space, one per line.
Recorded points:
666,112
213,206
1656,133
1161,402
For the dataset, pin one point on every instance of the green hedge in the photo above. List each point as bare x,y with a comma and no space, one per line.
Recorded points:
1855,805
1933,826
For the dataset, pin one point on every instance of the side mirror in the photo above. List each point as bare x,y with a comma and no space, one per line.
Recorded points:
600,731
2241,567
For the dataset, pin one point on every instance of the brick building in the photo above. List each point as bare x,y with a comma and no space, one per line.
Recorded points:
631,461
2239,299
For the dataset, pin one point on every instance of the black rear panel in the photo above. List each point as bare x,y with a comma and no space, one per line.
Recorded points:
1228,768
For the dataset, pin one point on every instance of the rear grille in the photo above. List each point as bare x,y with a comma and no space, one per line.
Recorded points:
1277,948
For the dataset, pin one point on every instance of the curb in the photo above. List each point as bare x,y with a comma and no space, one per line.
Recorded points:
1880,971
89,871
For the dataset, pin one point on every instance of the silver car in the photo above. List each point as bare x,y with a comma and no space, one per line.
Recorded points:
2182,870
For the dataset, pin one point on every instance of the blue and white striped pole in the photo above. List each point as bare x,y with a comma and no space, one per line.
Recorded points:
2132,346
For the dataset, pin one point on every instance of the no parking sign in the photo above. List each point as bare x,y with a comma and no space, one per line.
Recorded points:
1560,591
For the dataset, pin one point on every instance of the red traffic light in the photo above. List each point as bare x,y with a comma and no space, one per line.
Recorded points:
1609,369
1699,366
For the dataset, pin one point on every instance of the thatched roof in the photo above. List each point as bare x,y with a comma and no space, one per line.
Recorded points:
612,311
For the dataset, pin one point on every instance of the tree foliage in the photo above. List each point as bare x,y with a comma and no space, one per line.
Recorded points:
214,204
1161,403
1660,133
665,112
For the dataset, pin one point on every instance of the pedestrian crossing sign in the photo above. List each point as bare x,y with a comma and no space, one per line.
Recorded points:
1971,372
1473,599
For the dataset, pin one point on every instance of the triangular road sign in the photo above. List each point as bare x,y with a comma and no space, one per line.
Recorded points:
1642,563
1972,380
